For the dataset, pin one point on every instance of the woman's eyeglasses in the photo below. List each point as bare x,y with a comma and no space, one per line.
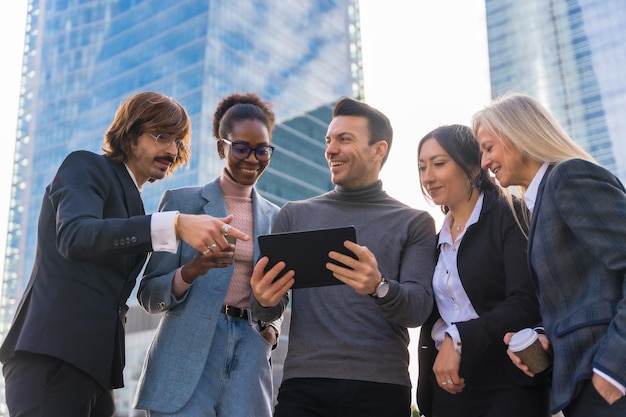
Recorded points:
242,150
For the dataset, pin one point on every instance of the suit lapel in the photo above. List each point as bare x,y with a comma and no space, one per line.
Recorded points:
133,202
262,217
534,216
215,204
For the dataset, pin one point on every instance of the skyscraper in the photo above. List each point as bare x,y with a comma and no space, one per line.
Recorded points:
570,55
82,59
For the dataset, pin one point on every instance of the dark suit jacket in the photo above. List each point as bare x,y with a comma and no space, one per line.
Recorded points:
92,241
577,254
493,269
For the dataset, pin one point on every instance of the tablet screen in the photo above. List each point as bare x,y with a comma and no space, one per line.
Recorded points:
306,252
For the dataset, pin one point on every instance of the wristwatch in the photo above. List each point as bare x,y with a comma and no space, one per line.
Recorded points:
381,289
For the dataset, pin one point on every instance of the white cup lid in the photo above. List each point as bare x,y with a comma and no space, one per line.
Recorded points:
522,339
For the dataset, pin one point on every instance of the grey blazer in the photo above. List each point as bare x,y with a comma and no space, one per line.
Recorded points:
577,254
174,362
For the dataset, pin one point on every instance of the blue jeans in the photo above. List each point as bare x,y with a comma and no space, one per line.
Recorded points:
237,377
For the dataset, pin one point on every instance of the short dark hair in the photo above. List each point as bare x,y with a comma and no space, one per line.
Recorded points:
148,112
378,124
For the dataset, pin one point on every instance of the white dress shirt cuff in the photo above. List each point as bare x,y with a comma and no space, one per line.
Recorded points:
453,332
611,380
162,232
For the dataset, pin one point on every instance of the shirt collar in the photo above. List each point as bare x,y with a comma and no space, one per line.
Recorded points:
132,176
444,234
530,196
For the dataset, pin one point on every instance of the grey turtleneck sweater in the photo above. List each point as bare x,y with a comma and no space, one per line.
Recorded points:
336,332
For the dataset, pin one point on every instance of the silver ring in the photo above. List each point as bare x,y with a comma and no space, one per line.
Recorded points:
226,228
211,248
444,383
449,381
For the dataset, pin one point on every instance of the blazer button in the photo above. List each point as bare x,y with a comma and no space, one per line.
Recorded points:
133,239
128,241
116,243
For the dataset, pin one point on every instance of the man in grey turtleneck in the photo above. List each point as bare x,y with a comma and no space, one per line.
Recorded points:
347,352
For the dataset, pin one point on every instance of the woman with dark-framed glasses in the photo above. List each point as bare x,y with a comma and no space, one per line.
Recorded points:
211,353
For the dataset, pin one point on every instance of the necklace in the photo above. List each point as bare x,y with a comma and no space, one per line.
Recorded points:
455,225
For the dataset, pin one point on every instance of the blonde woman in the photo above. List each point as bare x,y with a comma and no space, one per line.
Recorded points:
576,250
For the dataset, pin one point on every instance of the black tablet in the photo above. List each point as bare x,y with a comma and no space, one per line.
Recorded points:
306,252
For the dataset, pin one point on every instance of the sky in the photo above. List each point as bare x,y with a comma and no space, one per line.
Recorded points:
425,65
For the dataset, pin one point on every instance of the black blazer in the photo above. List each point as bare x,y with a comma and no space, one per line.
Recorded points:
92,241
493,269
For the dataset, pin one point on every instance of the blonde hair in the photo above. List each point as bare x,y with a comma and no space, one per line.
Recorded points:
532,130
529,127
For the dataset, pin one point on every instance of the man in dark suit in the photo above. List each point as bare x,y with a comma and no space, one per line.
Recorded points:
64,353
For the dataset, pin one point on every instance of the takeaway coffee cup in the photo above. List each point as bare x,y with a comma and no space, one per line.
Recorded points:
527,346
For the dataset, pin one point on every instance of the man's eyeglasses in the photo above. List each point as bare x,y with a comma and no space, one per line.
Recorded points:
241,150
165,141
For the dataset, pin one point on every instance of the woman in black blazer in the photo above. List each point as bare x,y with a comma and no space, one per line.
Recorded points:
482,290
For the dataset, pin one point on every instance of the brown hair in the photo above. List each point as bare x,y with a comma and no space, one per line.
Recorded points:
148,112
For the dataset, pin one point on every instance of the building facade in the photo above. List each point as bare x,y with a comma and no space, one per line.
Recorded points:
83,58
570,55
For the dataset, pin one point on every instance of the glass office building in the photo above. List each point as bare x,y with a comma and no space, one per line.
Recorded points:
570,55
82,58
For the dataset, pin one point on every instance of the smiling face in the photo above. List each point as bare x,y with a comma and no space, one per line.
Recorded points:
503,159
441,177
353,162
253,133
147,161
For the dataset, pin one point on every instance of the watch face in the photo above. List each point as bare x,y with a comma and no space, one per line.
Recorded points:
383,289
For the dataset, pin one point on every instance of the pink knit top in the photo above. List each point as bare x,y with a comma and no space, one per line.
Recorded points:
239,203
